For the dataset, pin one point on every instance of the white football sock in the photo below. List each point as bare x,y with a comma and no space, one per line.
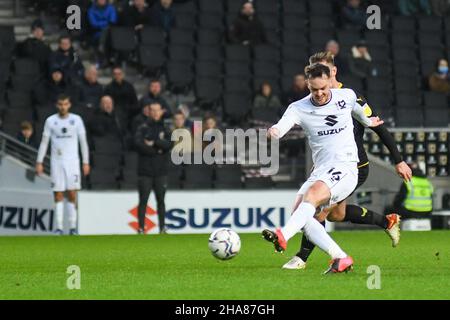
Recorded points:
298,219
317,234
59,212
72,215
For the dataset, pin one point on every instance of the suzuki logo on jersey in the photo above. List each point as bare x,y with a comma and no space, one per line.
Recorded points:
331,120
330,131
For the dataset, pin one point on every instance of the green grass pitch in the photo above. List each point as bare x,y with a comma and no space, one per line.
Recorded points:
181,267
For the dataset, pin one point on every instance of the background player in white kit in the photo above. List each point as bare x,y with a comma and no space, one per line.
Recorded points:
326,116
64,131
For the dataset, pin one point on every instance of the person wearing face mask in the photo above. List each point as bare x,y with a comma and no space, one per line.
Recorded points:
439,81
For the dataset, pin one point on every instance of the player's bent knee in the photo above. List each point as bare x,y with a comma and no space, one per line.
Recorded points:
317,194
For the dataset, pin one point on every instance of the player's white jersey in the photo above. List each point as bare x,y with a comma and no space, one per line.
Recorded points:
64,134
329,127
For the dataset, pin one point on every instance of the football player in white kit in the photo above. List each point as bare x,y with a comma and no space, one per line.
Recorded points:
326,117
64,130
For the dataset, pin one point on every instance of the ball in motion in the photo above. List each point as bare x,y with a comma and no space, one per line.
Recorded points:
224,244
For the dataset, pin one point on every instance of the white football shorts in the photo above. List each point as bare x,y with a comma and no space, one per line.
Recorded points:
65,175
341,178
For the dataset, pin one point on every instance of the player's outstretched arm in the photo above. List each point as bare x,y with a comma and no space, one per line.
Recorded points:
287,121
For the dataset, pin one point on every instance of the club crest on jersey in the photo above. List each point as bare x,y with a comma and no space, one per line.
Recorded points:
341,104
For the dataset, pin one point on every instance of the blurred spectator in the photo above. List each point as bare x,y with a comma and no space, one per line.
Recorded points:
340,62
210,122
26,134
440,7
56,86
137,15
90,90
162,15
105,121
35,47
123,93
179,122
66,59
412,7
140,118
361,61
265,98
439,81
154,95
152,141
247,29
353,15
299,90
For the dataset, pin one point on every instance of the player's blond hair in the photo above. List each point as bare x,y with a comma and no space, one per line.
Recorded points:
322,56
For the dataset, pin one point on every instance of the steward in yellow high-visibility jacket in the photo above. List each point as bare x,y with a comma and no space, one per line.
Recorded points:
415,198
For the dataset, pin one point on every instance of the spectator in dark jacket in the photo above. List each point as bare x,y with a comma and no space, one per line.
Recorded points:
138,15
154,95
67,60
56,86
299,90
162,15
140,118
153,143
247,29
105,121
90,90
352,15
34,47
266,99
361,62
123,93
26,134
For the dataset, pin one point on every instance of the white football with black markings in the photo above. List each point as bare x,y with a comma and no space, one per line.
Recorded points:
224,244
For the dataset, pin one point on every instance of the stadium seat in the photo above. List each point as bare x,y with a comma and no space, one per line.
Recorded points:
236,69
211,21
152,57
265,69
108,145
179,75
198,176
403,40
406,84
427,54
294,53
211,6
266,53
236,107
209,37
353,82
228,176
110,162
175,174
321,23
383,69
237,52
376,38
408,117
269,21
292,68
188,7
237,85
436,100
233,6
273,38
26,67
405,69
152,36
413,101
293,37
427,67
293,22
208,69
208,90
103,179
123,39
436,117
404,24
265,115
181,53
295,7
185,21
23,83
181,37
431,40
430,24
319,38
209,53
129,176
379,54
379,85
320,8
348,38
19,99
404,55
